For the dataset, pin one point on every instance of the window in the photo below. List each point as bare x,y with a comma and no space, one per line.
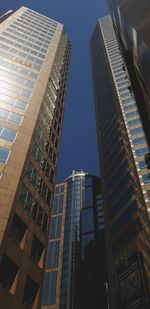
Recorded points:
8,271
30,292
133,122
8,134
55,230
141,151
12,117
36,250
17,229
49,290
136,130
139,140
132,114
53,254
146,178
4,154
142,164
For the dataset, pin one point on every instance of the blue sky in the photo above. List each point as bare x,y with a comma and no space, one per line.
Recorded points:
78,145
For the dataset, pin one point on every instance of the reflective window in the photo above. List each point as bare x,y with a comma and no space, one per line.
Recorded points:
139,140
136,130
141,151
133,122
142,164
49,290
4,154
53,254
55,229
7,134
9,116
146,178
11,101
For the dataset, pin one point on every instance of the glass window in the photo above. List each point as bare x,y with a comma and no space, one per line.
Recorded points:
33,75
132,114
133,122
139,140
53,254
8,134
49,290
4,154
136,130
146,178
15,118
142,164
141,151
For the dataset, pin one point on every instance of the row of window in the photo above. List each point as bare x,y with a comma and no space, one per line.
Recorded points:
43,162
41,18
21,60
38,182
7,76
9,87
23,54
29,35
38,21
10,116
32,32
33,209
18,69
22,23
13,102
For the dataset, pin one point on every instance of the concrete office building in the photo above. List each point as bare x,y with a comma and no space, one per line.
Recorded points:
75,269
34,62
132,24
122,146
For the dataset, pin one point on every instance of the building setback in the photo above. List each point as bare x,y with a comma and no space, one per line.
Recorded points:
34,62
75,270
125,180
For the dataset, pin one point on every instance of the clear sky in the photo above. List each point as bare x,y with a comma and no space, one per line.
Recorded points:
79,144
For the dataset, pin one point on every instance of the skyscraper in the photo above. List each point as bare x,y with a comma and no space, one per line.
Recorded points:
132,28
125,181
75,269
34,62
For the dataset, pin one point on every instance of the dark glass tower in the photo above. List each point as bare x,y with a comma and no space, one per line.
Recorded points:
125,179
132,24
75,272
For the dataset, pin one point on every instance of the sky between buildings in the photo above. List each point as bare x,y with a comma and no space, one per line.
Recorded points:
79,143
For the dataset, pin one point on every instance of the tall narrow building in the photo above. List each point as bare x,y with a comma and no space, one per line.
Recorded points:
125,180
34,62
75,270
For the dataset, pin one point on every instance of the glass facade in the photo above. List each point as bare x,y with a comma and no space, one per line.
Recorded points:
122,146
77,221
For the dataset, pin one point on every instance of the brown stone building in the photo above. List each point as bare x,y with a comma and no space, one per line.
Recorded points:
34,62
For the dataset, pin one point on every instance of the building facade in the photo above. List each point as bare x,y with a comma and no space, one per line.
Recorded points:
132,28
34,62
75,269
125,179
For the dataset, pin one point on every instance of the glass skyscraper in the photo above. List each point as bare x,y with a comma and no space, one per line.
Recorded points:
132,28
34,62
125,180
75,270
